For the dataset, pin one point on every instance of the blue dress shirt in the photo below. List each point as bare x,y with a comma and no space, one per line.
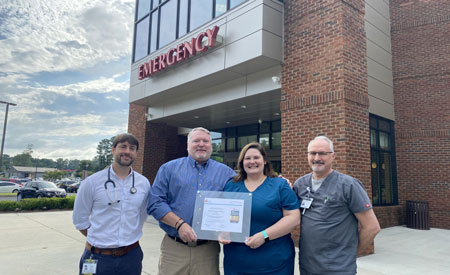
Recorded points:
176,185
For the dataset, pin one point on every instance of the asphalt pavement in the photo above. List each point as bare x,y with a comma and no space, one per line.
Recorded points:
47,243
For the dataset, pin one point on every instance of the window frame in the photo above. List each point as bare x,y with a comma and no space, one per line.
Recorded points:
157,8
379,151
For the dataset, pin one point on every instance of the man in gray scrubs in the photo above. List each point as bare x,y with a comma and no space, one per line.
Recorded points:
332,204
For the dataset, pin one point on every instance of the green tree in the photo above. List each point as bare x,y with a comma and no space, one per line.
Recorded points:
73,164
47,163
6,163
53,175
25,158
85,165
104,154
62,163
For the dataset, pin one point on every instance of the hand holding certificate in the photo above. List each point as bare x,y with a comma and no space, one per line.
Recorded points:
223,216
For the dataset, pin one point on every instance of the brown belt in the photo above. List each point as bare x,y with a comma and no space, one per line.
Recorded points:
116,252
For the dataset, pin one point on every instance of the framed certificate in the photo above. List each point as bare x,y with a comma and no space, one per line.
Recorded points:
222,215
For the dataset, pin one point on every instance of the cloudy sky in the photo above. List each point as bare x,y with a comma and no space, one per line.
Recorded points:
66,64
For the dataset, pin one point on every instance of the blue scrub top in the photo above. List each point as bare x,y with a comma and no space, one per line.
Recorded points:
268,202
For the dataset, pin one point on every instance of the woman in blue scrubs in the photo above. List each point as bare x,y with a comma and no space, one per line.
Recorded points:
269,249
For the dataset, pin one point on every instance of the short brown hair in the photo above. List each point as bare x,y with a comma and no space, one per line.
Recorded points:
125,138
268,169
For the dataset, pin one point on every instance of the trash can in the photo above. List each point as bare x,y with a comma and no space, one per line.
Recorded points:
417,215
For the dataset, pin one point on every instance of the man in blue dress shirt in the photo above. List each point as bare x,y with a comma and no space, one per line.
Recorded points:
172,200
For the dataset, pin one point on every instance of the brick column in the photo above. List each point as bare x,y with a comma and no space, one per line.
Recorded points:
324,85
158,142
136,126
162,144
421,67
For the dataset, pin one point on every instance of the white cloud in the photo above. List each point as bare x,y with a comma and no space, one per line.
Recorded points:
44,39
67,136
57,35
101,85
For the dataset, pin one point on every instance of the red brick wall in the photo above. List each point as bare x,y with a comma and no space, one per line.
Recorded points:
324,85
158,143
389,216
136,126
162,144
421,68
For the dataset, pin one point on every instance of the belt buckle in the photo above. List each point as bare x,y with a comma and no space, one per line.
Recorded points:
192,244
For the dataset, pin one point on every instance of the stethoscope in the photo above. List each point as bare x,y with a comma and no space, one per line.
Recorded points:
133,189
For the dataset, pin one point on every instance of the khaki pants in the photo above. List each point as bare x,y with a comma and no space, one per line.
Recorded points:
179,259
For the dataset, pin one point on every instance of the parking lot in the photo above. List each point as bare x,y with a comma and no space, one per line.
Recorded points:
47,243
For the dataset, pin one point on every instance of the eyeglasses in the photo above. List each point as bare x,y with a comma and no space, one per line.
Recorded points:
322,154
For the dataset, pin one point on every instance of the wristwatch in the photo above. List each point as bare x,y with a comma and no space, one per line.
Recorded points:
266,237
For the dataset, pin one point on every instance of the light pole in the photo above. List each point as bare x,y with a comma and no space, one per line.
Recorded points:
4,128
35,173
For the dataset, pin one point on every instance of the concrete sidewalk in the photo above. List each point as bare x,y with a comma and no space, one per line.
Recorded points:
47,243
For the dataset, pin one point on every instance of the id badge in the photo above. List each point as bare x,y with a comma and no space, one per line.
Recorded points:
306,203
89,267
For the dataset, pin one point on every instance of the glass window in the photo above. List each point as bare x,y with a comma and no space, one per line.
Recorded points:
154,32
183,18
276,164
201,12
384,141
276,141
244,140
264,140
264,127
218,148
221,7
385,179
168,23
276,126
143,8
384,125
375,180
217,134
141,45
231,144
384,186
247,130
217,158
373,122
231,132
373,138
172,19
234,3
154,3
218,145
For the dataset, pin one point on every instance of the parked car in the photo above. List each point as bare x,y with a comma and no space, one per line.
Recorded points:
73,188
64,184
20,181
9,187
40,189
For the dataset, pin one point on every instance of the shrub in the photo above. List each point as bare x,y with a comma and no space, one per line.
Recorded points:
38,204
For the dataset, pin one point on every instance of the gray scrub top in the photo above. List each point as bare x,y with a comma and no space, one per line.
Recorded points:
329,229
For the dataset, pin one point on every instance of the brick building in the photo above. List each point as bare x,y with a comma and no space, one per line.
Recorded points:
372,75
